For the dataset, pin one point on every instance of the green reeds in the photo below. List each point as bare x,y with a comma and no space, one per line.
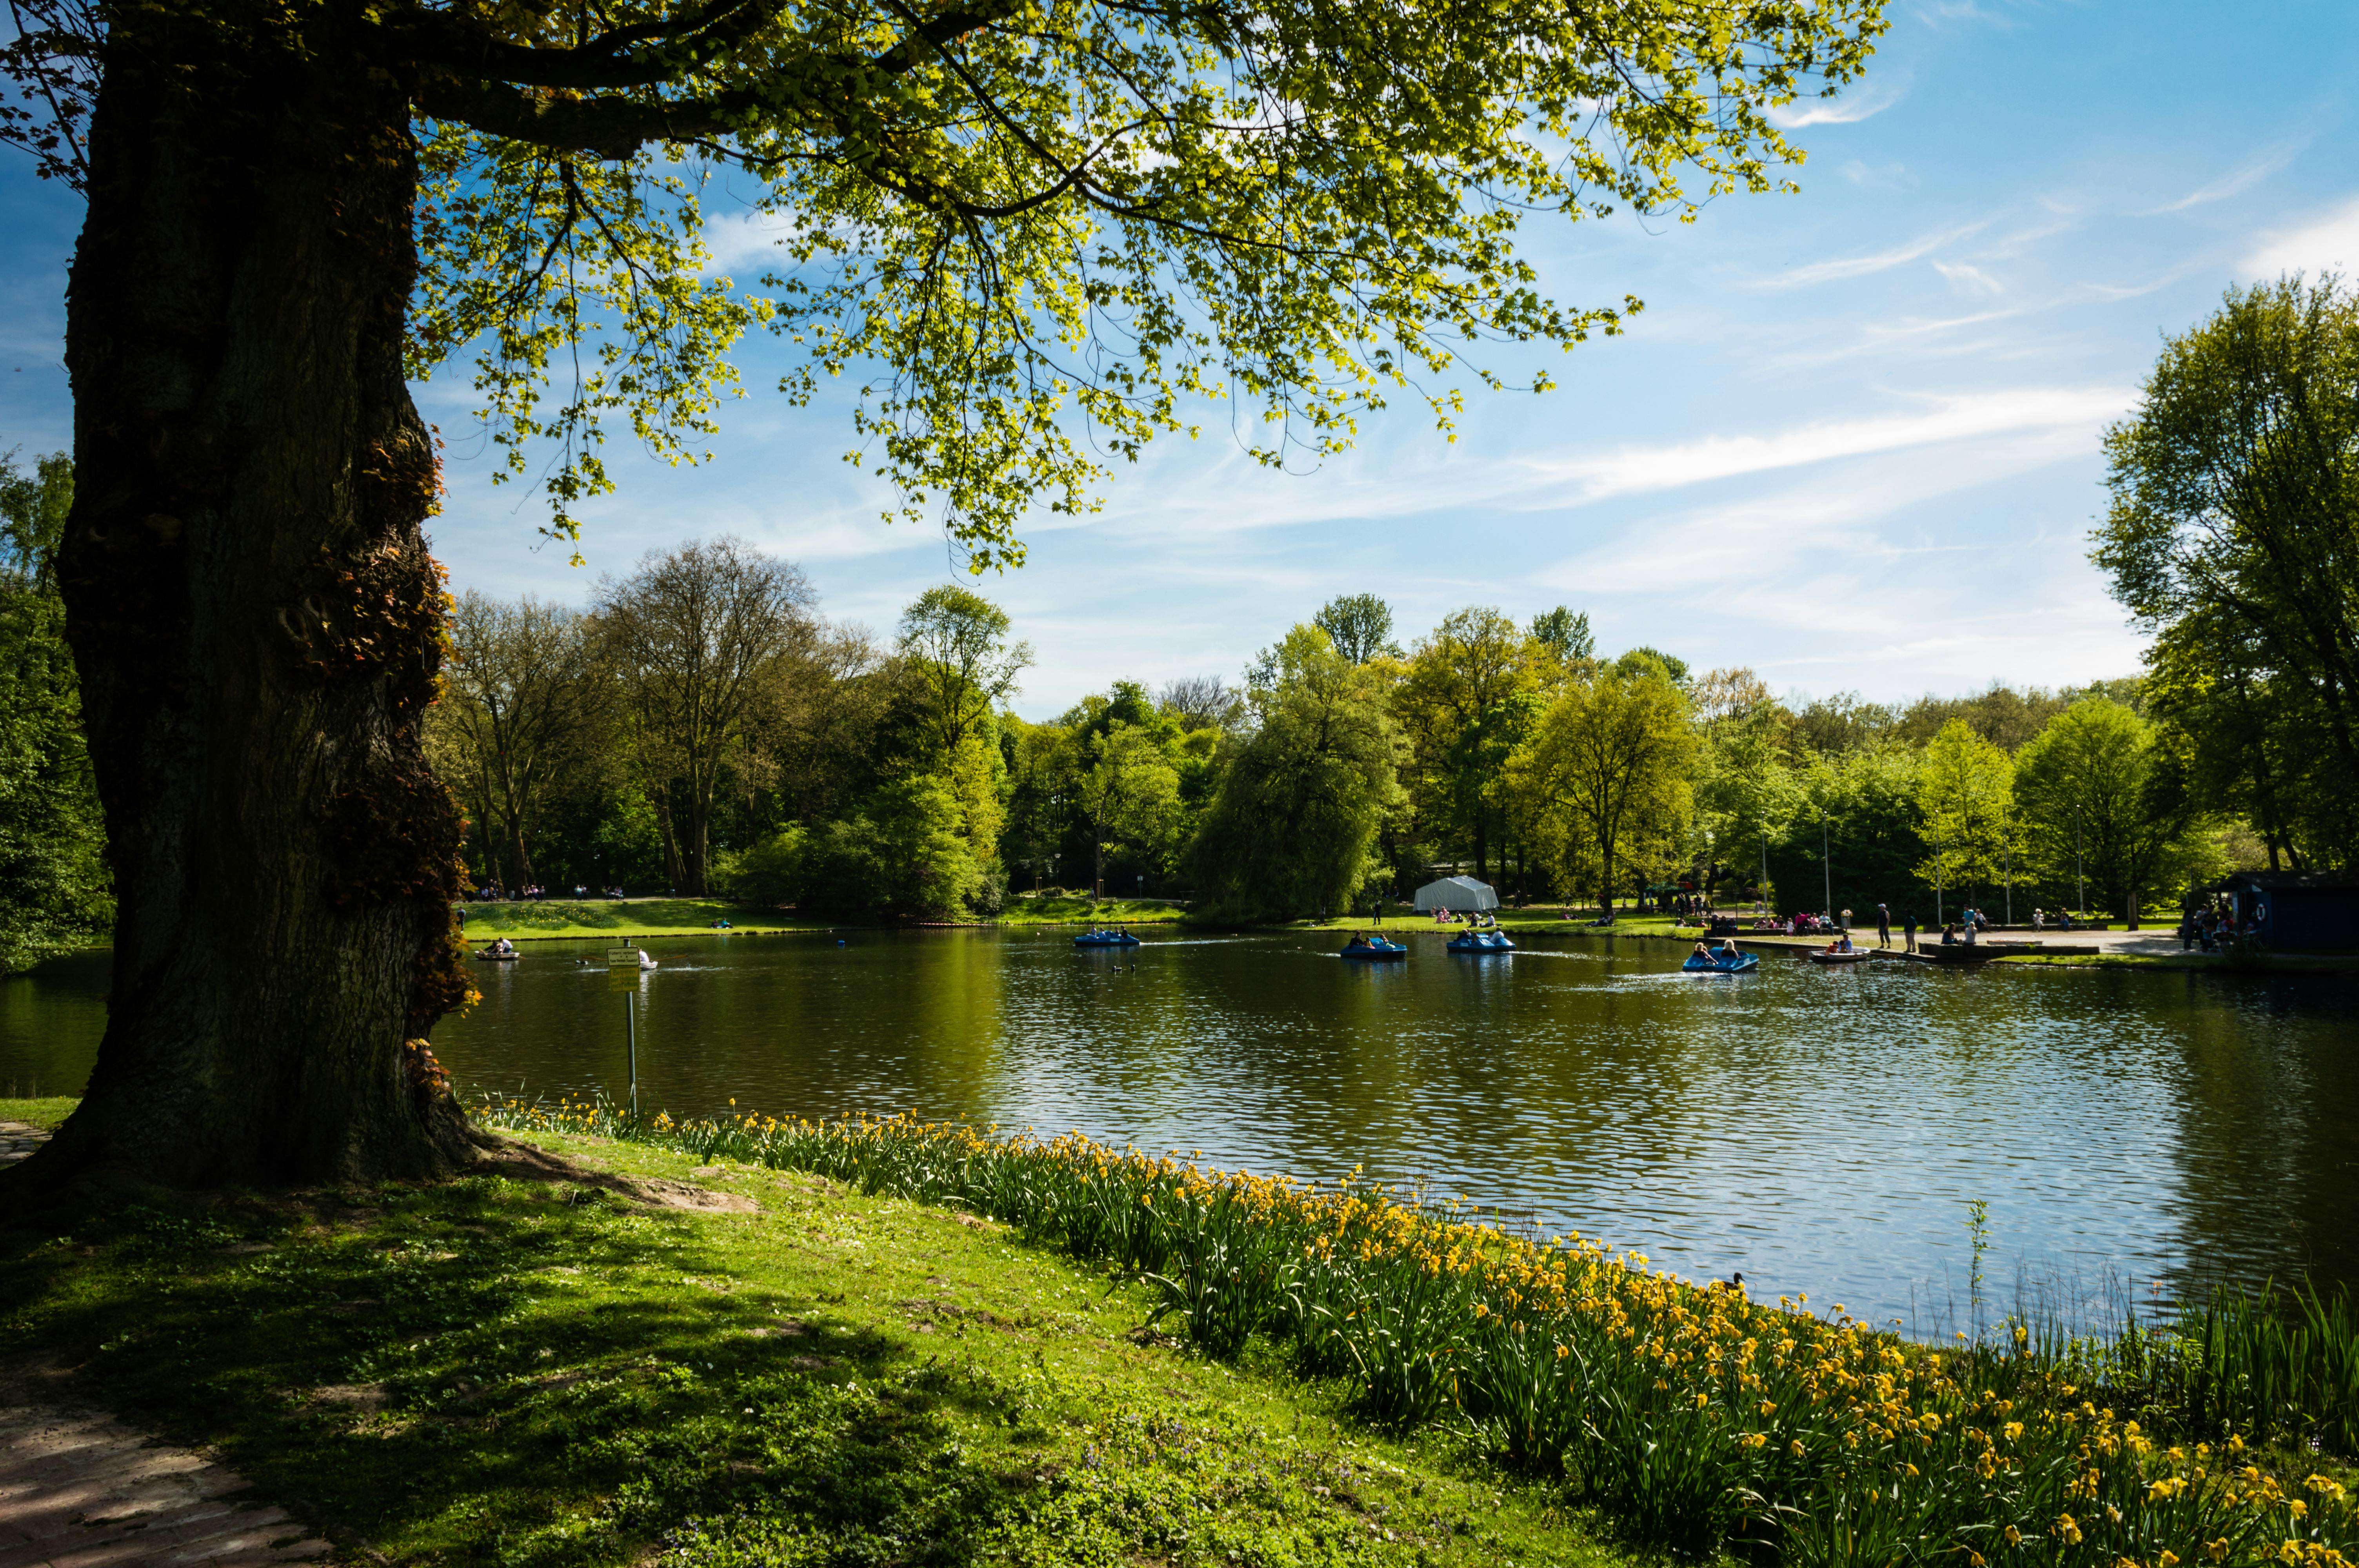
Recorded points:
2275,1366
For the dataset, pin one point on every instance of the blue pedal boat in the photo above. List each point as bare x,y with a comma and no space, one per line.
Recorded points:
1482,942
1105,940
1736,966
1373,947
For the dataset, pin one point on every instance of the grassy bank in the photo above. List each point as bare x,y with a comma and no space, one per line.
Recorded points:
1028,909
38,1112
496,1370
2293,963
1692,1417
637,917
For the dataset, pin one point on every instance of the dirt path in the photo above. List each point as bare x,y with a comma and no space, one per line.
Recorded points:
81,1489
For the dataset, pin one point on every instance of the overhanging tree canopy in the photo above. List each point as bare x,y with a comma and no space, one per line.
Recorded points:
1049,225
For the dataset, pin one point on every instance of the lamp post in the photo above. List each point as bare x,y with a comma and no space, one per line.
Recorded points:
2079,880
1826,863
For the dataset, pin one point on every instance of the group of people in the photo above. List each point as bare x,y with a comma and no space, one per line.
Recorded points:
1477,922
2209,928
501,949
1802,924
532,895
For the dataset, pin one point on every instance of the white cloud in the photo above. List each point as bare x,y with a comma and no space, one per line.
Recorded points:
2069,410
1969,280
2326,243
1853,106
2244,178
1860,266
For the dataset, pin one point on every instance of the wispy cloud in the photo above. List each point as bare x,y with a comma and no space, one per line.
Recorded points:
1969,280
2329,242
1944,419
2244,178
1849,108
1860,266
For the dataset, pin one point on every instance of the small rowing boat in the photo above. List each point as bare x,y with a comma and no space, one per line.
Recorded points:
1857,956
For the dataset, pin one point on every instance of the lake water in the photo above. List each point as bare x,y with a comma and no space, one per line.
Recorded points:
1821,1130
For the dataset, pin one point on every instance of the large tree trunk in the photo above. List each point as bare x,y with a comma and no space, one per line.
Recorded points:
257,623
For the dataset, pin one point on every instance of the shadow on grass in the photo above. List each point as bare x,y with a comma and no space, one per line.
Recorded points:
487,1372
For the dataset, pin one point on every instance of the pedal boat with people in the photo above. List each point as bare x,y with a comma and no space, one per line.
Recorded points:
1720,963
1105,940
1492,941
1373,947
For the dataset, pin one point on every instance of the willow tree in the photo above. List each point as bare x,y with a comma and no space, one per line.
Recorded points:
1035,230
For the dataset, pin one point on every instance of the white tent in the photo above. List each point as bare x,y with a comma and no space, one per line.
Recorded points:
1464,894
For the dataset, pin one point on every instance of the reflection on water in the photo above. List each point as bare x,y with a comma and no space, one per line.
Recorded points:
1821,1129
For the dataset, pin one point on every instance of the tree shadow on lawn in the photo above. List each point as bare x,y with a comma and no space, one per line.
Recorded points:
492,1370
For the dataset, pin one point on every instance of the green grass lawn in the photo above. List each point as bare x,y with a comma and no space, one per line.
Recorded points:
1024,909
494,1370
640,918
39,1112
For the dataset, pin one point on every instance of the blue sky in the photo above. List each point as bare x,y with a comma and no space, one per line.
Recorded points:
1853,441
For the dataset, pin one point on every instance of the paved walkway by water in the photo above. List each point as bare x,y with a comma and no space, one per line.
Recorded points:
18,1140
81,1489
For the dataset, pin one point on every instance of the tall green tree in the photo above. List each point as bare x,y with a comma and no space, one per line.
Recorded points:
1851,837
1464,704
1291,831
1746,787
1360,625
2097,790
520,714
53,880
956,643
1127,793
294,212
694,639
1610,762
1967,811
2235,516
2242,743
1565,634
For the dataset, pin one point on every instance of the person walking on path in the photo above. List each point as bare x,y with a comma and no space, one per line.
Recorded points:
1909,923
1883,926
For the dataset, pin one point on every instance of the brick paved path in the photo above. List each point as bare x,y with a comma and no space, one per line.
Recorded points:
18,1140
79,1490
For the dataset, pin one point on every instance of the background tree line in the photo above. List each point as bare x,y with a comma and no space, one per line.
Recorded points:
701,727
